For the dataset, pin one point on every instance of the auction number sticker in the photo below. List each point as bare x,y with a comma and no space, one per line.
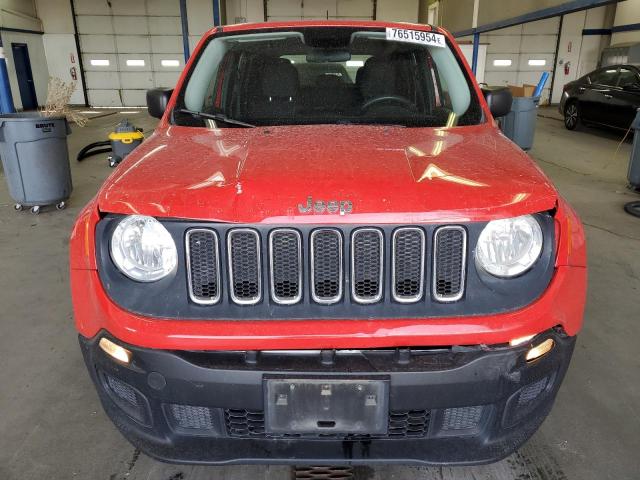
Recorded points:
416,36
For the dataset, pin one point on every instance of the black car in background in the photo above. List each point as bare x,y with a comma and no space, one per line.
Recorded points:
608,96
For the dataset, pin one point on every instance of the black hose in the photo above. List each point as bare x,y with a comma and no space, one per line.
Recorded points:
87,151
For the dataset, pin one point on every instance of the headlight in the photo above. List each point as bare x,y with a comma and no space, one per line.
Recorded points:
509,247
143,249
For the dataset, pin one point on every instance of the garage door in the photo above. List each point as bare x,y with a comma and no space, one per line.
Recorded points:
520,54
127,47
319,9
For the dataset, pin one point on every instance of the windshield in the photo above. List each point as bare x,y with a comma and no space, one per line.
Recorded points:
323,75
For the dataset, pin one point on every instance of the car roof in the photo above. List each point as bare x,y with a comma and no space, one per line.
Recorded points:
326,24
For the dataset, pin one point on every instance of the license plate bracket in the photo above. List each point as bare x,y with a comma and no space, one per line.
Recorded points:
326,406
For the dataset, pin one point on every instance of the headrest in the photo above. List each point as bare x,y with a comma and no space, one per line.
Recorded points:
378,78
280,79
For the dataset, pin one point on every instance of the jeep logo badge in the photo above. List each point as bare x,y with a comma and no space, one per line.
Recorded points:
322,206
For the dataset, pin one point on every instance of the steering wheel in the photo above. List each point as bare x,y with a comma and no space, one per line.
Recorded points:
402,101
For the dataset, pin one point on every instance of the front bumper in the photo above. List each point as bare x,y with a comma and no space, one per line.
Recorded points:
446,406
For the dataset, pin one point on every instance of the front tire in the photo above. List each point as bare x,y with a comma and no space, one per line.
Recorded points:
571,116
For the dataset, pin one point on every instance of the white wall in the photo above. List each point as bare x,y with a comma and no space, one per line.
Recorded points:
20,14
390,10
59,43
627,12
38,64
581,52
398,10
467,51
249,10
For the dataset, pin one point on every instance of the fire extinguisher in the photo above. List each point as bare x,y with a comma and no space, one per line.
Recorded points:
73,72
567,66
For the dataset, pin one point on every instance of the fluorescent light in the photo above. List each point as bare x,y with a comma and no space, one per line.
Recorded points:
537,62
170,63
99,62
135,63
355,63
502,63
129,112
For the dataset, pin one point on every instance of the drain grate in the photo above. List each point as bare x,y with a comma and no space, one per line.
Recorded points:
324,473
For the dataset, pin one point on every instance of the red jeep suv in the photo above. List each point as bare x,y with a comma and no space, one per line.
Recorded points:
328,253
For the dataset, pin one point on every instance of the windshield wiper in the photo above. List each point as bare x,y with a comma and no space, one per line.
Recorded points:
215,116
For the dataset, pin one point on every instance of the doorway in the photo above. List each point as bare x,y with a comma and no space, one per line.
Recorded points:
25,76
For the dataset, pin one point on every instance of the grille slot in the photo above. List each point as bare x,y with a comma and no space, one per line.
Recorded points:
462,418
401,424
203,266
408,264
191,417
366,265
411,423
326,266
244,423
532,391
285,246
245,272
449,258
122,390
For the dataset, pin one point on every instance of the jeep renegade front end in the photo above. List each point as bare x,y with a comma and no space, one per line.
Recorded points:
327,252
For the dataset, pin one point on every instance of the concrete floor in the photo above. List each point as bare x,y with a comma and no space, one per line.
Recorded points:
52,425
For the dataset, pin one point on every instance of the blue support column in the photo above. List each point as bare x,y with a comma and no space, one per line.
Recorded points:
216,13
476,47
6,100
185,29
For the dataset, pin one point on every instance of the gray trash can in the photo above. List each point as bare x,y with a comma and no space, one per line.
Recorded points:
520,123
633,174
35,159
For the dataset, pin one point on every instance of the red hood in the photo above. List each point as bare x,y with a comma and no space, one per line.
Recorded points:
390,174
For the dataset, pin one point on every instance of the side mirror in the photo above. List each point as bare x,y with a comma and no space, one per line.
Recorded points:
157,100
499,100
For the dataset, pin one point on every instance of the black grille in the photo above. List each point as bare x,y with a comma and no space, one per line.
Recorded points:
244,423
366,265
532,391
462,418
402,424
412,423
244,264
122,390
327,265
286,266
449,263
204,266
312,260
408,264
191,417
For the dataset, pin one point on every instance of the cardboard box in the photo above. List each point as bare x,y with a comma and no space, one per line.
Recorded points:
525,90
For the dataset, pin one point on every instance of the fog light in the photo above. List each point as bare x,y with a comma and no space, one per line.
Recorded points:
116,351
520,340
540,350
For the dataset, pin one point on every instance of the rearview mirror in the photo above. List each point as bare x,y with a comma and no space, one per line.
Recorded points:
157,101
319,55
499,100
